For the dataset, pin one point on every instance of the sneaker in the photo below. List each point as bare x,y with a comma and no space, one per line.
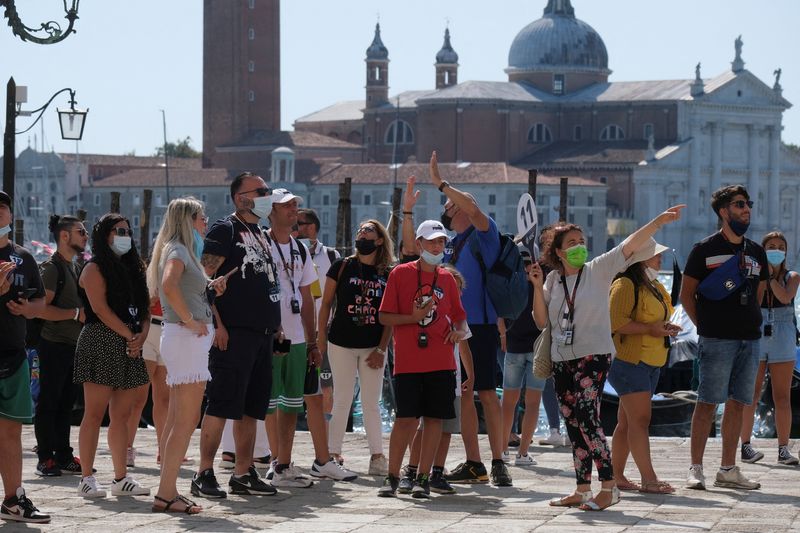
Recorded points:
250,484
734,479
524,460
785,457
73,467
378,466
128,486
749,454
500,477
467,473
439,484
553,439
506,457
90,488
20,509
205,484
228,461
422,487
271,471
389,488
130,461
332,470
291,477
696,480
406,484
47,468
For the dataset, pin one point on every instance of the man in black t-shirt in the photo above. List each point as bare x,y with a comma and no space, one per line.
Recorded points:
723,285
21,298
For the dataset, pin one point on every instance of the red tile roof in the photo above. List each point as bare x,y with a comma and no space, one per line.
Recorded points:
131,160
178,177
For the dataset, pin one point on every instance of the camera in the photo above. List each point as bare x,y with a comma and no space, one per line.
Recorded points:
295,306
422,340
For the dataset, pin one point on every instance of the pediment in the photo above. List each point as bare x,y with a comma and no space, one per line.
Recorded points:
742,88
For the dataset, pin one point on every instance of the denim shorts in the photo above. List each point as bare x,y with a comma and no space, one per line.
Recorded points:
518,369
727,370
779,347
627,378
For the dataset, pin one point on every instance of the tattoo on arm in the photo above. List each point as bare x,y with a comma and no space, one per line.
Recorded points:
211,263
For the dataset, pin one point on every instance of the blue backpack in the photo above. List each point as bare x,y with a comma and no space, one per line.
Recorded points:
506,281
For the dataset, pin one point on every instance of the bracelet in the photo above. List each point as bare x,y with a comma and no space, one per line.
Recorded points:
191,317
443,185
380,350
77,314
411,213
502,335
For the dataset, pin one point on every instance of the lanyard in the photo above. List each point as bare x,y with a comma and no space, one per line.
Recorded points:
571,299
419,280
272,272
741,253
288,268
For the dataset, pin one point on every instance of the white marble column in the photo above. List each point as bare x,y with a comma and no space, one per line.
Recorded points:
753,182
717,131
773,199
695,160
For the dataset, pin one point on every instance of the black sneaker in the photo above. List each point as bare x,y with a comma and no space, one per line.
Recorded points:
20,509
47,468
389,488
749,454
73,467
251,484
422,487
500,477
439,484
467,473
407,482
205,484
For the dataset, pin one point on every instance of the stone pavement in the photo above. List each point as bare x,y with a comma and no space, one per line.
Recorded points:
354,506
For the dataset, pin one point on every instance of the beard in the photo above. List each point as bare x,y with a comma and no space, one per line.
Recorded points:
77,248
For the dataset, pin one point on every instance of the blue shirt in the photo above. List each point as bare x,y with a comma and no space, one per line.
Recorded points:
474,298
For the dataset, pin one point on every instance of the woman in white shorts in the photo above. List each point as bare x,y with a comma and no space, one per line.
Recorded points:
177,278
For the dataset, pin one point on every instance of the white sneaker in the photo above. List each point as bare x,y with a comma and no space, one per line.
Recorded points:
734,479
128,486
554,439
89,487
378,466
506,457
696,480
524,460
291,478
332,470
131,457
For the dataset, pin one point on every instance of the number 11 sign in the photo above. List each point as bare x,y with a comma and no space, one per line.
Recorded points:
527,223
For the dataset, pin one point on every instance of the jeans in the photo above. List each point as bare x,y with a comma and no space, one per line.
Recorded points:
56,396
550,402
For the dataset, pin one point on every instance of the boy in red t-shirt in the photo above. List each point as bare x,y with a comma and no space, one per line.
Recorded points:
422,303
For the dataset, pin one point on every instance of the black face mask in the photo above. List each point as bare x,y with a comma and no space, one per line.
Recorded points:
365,246
447,221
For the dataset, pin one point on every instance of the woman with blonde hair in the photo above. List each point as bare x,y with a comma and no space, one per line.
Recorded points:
356,342
176,277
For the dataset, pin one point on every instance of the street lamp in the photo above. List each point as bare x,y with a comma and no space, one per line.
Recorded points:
52,28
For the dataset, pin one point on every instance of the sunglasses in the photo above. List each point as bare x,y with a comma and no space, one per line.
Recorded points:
303,223
123,232
81,231
741,203
366,229
203,218
261,191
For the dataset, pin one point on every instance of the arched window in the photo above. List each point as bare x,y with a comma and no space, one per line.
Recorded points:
539,133
402,130
612,132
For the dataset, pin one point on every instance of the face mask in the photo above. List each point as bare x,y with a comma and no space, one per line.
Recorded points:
775,257
651,273
576,256
432,259
307,242
447,220
366,246
198,244
262,206
5,230
121,245
738,228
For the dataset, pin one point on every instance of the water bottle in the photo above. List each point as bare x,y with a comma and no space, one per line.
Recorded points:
358,417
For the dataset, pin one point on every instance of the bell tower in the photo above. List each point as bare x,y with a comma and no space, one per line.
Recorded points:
377,71
446,64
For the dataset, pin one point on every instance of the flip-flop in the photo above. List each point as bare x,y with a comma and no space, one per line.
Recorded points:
656,487
627,484
190,509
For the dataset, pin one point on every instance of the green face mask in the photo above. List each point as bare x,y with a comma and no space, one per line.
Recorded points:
576,255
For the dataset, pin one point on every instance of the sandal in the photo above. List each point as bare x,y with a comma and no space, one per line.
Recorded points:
656,487
191,507
593,506
626,484
560,502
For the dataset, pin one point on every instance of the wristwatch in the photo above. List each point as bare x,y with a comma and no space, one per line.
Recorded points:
443,185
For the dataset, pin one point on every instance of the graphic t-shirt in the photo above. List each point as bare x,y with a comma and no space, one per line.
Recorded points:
293,274
252,297
728,318
24,276
359,292
62,331
408,286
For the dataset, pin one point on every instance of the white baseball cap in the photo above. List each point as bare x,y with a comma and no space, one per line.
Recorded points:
281,196
431,229
660,248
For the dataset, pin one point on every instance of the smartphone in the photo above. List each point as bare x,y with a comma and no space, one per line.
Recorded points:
28,293
281,347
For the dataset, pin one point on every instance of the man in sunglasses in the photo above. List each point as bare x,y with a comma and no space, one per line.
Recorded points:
723,286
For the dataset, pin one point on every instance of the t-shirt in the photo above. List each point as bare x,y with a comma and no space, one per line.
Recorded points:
407,286
475,299
61,331
252,297
522,332
192,286
320,256
359,292
293,274
728,318
24,276
649,309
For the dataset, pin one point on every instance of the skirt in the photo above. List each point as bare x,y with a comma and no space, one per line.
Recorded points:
100,358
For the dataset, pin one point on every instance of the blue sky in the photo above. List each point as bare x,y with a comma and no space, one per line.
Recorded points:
131,59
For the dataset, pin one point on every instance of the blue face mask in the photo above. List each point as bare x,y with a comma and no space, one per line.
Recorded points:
775,257
739,228
198,244
5,230
432,259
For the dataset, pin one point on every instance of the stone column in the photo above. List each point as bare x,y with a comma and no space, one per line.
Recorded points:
693,187
773,198
717,131
753,181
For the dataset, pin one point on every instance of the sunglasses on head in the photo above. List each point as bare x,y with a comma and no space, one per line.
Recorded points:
741,203
261,191
123,232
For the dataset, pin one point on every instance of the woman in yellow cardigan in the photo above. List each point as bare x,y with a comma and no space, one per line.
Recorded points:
641,329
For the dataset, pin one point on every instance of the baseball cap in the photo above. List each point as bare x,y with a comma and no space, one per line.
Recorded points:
660,248
281,196
6,199
431,229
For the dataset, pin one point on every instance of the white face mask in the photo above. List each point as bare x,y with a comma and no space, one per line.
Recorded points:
5,230
651,273
262,206
121,245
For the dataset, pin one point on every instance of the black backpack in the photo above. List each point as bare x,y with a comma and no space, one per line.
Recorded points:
33,327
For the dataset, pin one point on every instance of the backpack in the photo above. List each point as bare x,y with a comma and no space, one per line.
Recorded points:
33,327
506,281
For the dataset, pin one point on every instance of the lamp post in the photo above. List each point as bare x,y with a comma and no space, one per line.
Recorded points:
51,31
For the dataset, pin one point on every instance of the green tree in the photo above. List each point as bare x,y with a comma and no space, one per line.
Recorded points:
182,148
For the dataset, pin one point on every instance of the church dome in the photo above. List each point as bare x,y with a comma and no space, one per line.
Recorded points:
558,42
447,56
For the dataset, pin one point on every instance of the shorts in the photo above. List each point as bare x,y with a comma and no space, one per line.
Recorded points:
727,370
518,369
449,425
483,345
628,378
288,378
185,354
241,376
430,394
780,347
16,403
151,351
